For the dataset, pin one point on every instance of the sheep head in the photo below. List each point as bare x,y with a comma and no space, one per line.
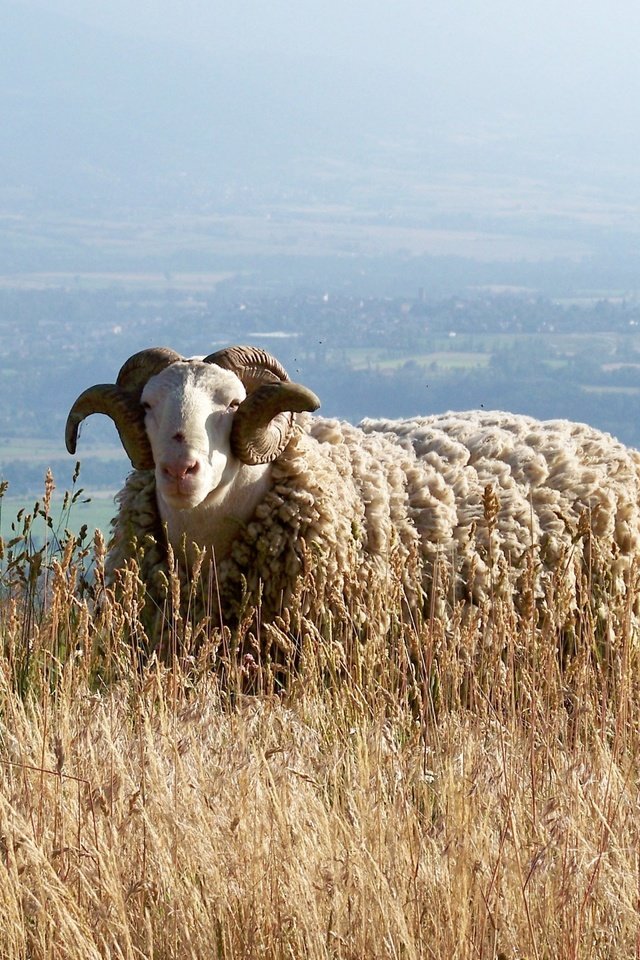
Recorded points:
192,420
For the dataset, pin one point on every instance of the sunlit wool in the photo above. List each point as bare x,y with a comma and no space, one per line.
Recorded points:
434,511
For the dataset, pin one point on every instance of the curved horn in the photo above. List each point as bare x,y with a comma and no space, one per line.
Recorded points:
121,402
262,423
128,416
253,366
143,365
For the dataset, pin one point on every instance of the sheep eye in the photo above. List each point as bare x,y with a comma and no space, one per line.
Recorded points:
146,405
233,405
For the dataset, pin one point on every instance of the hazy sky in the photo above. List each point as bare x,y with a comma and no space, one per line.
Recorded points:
572,34
505,90
581,53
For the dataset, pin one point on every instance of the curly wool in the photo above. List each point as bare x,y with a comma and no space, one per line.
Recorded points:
453,507
558,483
328,534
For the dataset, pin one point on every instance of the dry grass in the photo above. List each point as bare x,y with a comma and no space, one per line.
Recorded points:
458,794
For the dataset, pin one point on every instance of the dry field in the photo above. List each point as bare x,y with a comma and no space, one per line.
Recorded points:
460,793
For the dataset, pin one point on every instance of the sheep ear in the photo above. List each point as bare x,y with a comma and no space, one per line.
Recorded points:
263,422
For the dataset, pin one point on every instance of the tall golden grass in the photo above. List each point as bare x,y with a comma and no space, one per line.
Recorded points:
453,792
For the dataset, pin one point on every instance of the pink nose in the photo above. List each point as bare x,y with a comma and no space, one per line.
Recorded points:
179,469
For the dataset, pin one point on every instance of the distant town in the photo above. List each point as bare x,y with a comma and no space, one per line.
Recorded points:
364,356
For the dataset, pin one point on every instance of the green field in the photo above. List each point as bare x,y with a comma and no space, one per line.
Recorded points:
41,450
362,359
96,510
623,391
125,280
93,507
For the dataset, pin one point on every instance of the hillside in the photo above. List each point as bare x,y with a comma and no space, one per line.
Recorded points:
469,792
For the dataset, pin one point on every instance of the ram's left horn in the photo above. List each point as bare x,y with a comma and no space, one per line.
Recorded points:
126,413
262,423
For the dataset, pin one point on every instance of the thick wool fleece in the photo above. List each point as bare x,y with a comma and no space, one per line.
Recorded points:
560,485
431,510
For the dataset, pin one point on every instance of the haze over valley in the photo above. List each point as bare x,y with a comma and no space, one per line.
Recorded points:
369,136
357,189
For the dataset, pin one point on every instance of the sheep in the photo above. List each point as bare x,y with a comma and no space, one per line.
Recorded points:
314,520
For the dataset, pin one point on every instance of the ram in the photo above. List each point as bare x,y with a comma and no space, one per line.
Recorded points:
314,519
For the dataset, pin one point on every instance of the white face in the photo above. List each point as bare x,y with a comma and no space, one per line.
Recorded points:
189,414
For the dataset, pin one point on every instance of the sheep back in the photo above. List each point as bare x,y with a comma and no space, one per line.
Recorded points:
332,534
440,510
560,488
